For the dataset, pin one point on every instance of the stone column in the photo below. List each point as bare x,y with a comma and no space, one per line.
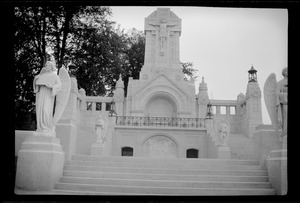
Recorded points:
119,96
103,106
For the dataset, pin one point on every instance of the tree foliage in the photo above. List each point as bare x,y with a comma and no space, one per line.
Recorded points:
82,35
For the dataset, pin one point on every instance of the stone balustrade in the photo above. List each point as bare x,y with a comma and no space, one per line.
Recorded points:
160,121
94,104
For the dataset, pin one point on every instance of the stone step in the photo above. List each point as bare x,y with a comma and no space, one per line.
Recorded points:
174,161
165,170
164,183
166,163
109,189
120,175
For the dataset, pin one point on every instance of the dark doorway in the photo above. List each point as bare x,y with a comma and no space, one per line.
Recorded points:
192,153
127,151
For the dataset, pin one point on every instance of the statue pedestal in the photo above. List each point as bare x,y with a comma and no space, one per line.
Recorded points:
97,149
277,170
223,152
277,167
40,163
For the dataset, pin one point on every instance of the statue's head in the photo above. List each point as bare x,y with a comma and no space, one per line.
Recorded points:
163,21
285,72
50,66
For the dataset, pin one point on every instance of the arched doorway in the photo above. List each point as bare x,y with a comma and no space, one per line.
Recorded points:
160,146
161,104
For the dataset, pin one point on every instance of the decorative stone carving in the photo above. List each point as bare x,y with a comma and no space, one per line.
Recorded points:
101,128
275,94
162,29
220,132
47,85
160,146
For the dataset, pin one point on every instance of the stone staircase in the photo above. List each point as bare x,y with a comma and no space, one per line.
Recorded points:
91,175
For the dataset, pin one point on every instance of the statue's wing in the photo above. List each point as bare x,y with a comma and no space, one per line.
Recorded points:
270,98
63,95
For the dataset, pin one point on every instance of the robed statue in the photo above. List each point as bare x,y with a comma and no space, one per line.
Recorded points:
101,128
276,100
50,87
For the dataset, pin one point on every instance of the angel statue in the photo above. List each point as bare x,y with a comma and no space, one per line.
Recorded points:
222,128
275,94
46,86
219,131
101,128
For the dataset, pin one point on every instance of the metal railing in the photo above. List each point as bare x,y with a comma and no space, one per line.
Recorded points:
160,121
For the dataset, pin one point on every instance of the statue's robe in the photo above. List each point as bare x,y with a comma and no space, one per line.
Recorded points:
281,103
45,101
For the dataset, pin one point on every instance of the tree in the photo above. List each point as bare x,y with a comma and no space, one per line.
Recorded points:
39,33
134,56
188,70
98,58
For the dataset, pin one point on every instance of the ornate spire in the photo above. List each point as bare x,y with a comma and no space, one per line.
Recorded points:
120,82
202,85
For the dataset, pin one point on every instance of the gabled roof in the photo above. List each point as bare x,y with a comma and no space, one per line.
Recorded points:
155,78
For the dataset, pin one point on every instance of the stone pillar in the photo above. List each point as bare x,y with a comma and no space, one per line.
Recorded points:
40,163
277,168
202,99
103,106
253,116
66,129
271,153
119,96
218,110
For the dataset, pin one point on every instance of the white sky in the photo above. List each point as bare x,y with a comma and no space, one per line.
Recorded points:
223,43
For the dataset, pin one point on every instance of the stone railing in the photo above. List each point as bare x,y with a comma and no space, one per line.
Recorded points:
94,104
160,121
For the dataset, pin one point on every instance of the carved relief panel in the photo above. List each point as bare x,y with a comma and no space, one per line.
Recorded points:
160,146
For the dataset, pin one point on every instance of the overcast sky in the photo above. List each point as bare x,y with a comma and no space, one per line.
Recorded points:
223,43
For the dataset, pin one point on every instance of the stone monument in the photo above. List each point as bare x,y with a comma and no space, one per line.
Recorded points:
276,101
41,159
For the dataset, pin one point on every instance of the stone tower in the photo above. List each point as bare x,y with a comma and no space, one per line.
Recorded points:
119,96
202,99
161,90
162,30
253,104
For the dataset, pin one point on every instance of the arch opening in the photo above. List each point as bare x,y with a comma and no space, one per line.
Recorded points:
161,105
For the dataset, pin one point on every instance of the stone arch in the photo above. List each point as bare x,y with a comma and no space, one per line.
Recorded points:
178,97
160,146
160,104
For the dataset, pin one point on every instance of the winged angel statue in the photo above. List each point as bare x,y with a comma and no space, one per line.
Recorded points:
48,85
275,95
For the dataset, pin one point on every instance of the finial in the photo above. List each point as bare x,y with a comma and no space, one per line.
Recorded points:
202,85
